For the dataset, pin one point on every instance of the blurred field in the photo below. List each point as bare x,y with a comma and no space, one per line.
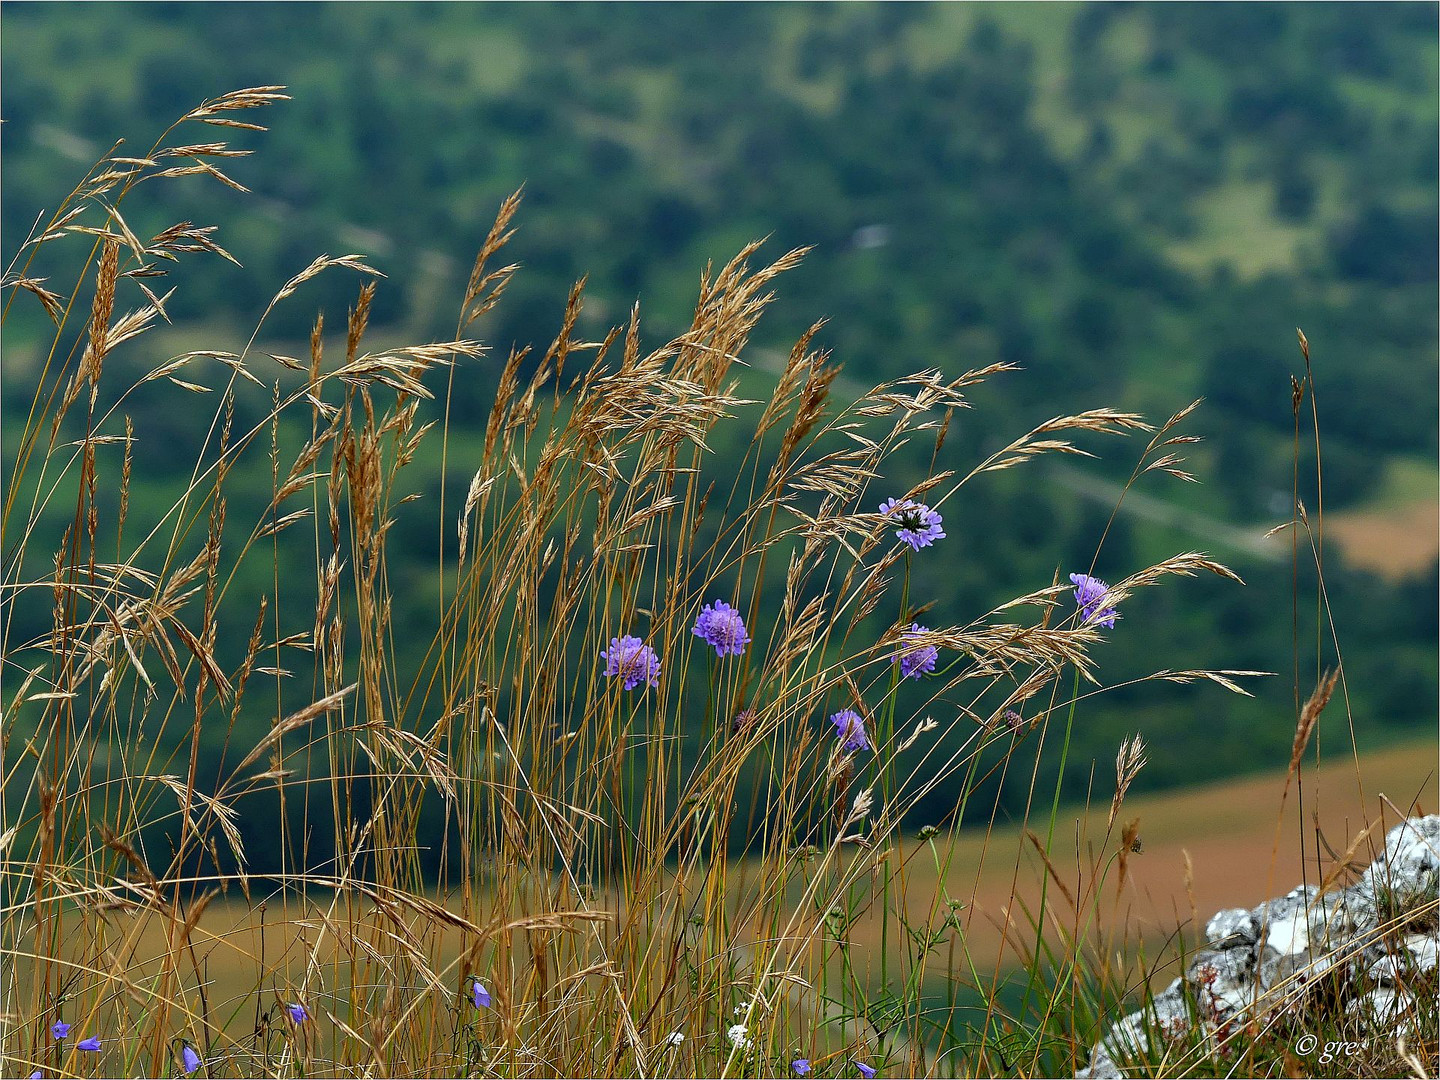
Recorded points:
1396,531
1390,542
1226,832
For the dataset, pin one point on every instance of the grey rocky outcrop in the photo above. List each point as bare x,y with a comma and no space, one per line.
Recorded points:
1369,941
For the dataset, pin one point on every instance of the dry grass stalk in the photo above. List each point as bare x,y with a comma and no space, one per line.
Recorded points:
1310,716
1128,763
588,839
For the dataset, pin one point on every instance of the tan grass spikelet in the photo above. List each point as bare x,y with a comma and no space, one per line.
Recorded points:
1030,445
401,744
1221,677
199,168
128,326
798,364
225,815
210,149
53,302
136,860
359,318
1310,715
57,227
483,289
1128,763
253,97
808,411
320,264
125,234
209,667
293,722
100,309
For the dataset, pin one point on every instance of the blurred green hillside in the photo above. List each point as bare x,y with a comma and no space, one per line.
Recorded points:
1136,203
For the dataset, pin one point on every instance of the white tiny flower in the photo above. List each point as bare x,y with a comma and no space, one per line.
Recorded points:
737,1035
675,1038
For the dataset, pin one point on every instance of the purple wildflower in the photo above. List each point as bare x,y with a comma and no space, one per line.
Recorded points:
189,1059
633,660
1090,596
743,722
865,1070
916,660
478,994
59,1029
722,627
801,1066
851,728
92,1044
37,1075
919,525
298,1013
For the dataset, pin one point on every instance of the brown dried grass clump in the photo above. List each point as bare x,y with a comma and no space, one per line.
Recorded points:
599,867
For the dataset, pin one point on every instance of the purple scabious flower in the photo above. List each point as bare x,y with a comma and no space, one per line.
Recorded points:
919,525
916,660
91,1044
722,627
801,1066
1090,596
59,1029
851,728
298,1013
478,994
189,1059
865,1070
632,660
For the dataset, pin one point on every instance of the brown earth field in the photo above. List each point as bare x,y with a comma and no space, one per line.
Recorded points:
1393,543
1229,844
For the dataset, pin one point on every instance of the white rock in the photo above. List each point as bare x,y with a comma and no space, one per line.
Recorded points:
1232,924
1424,948
1290,934
1409,870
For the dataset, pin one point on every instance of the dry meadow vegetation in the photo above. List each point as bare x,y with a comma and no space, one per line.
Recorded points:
637,891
